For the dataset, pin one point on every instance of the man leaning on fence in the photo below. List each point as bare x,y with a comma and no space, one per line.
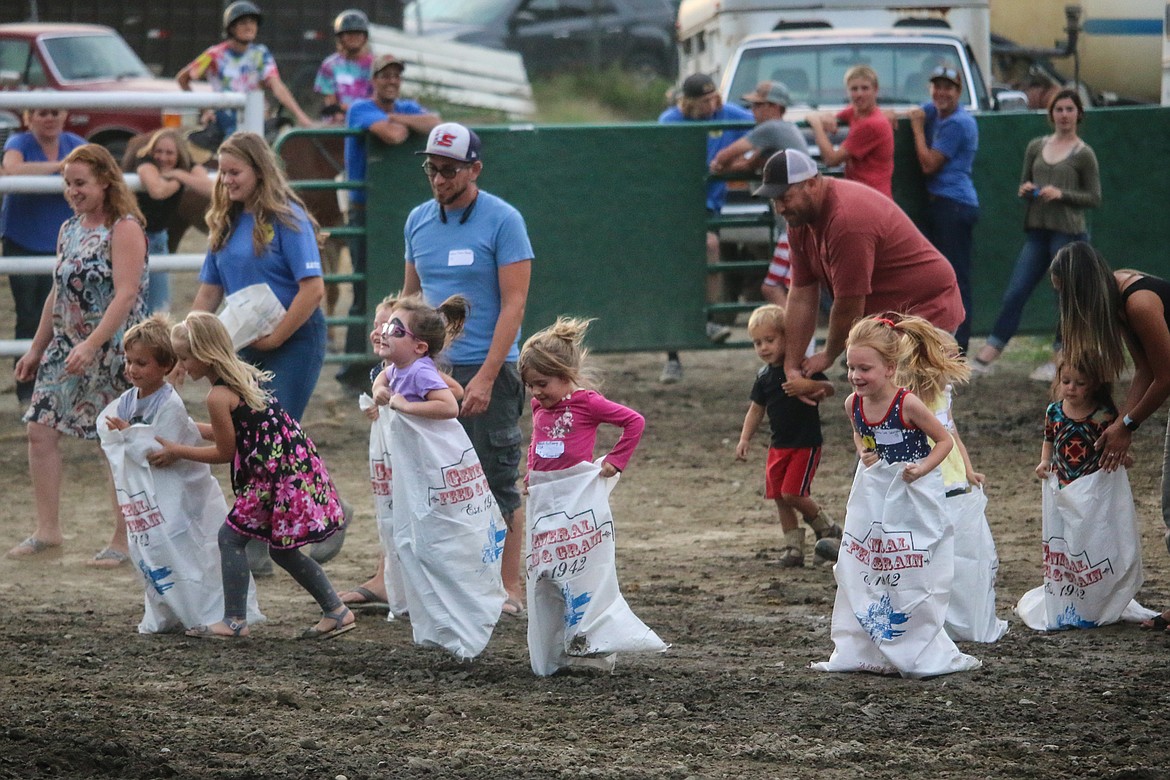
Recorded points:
391,119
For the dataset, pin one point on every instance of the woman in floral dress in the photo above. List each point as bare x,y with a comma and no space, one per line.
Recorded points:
76,355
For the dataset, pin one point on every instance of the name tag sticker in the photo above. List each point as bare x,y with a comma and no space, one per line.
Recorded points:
887,437
550,449
460,257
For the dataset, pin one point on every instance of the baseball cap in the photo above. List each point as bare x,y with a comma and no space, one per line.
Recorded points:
784,169
947,73
769,92
384,61
454,141
697,85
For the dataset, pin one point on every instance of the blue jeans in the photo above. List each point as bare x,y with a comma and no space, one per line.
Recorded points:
158,295
952,231
29,292
1040,246
296,365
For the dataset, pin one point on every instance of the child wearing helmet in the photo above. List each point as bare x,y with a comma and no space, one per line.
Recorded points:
344,76
239,64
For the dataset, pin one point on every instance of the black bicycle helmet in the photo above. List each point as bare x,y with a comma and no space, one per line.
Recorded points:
351,20
237,11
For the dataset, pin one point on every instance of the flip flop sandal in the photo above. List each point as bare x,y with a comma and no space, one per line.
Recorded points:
371,602
30,547
312,632
205,632
513,608
1157,623
108,559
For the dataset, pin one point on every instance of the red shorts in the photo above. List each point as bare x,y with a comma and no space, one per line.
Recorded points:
790,471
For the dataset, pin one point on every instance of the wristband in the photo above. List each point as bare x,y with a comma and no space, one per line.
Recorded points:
1130,423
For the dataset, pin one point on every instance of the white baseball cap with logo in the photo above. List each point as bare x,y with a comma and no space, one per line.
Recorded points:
454,141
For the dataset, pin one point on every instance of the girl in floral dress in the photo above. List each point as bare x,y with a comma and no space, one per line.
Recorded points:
284,495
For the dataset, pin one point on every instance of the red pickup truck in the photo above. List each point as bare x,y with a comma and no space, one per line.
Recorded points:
79,57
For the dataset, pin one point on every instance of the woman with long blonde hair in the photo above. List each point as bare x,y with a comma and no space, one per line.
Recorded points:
76,355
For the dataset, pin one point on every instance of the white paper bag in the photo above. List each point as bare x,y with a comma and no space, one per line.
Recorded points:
381,482
971,612
1092,555
448,533
575,609
894,577
173,516
251,313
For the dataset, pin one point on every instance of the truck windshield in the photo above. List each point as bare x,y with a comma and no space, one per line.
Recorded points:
469,12
94,58
815,74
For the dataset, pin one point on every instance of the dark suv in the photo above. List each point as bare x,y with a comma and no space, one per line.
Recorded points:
557,35
86,57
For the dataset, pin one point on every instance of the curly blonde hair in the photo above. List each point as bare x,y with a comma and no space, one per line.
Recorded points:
120,201
272,199
927,359
205,338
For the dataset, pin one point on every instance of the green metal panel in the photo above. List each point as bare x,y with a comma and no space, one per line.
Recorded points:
617,219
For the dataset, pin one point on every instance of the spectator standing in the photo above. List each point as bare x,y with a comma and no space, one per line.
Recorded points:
239,64
868,151
862,247
165,169
701,102
29,223
76,357
467,241
1059,182
391,119
771,134
344,76
945,141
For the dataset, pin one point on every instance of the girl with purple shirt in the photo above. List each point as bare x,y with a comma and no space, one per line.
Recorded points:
414,335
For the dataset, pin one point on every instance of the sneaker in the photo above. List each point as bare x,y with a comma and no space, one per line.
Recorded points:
826,550
671,373
717,333
1044,373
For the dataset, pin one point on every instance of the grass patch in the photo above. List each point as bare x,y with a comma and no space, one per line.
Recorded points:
599,97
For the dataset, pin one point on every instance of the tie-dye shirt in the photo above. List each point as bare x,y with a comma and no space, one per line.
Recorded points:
347,80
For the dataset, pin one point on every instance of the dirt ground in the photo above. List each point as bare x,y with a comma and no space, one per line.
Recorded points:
82,695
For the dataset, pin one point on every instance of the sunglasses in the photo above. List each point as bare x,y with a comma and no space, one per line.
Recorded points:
447,173
396,330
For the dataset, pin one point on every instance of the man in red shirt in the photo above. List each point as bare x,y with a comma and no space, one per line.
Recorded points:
859,244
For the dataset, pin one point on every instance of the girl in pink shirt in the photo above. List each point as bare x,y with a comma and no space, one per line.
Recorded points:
565,411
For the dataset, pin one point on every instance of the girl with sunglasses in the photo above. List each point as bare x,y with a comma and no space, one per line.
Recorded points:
414,335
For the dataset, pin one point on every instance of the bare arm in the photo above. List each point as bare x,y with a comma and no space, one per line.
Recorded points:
128,258
514,281
282,94
1045,466
731,158
157,186
196,179
751,423
411,284
440,405
183,77
830,155
207,298
223,434
846,310
26,367
800,326
916,413
930,160
15,165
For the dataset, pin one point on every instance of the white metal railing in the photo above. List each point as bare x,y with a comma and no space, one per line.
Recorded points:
251,102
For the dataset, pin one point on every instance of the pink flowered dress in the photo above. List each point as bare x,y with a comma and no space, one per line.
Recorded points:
84,283
283,492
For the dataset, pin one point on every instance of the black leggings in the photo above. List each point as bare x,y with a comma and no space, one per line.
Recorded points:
234,561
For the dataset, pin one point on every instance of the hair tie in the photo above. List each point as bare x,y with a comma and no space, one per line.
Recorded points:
886,321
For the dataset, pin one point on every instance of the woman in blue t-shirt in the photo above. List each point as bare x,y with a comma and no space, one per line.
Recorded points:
259,232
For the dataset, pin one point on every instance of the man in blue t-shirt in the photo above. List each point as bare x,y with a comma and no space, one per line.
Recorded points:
471,242
391,120
945,140
701,102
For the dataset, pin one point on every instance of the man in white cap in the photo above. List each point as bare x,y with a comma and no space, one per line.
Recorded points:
391,119
859,244
468,241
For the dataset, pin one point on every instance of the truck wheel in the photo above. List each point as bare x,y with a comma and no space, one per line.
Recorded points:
115,142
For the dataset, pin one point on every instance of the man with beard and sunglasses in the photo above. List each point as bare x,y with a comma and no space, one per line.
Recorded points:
470,242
